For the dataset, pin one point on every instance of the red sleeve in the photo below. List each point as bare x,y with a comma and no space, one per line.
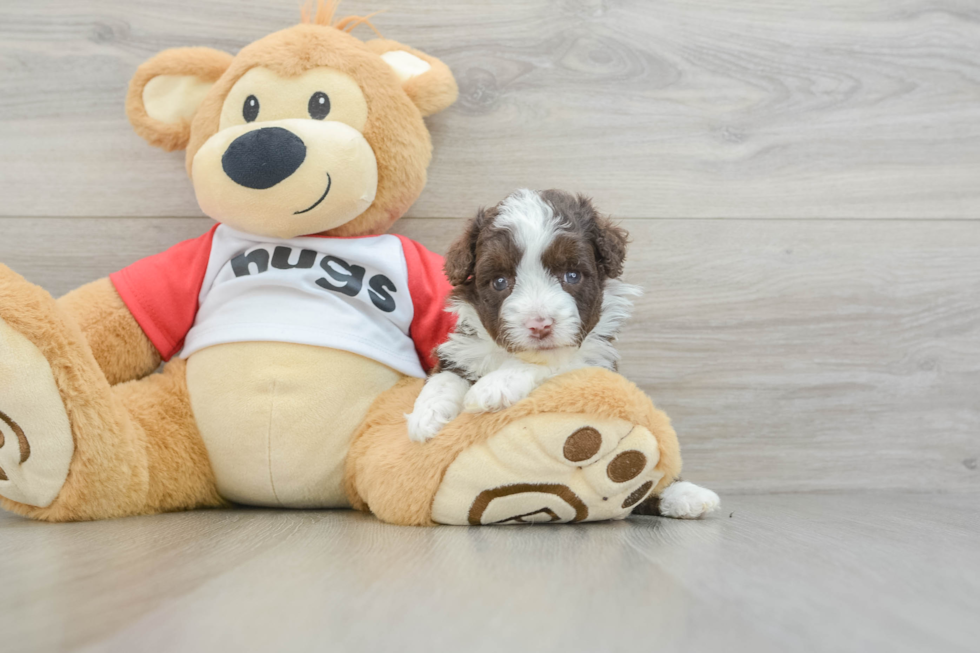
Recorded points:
161,291
429,288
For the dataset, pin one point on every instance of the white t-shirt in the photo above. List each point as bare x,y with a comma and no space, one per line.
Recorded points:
378,296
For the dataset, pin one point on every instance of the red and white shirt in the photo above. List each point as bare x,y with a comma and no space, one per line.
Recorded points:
382,297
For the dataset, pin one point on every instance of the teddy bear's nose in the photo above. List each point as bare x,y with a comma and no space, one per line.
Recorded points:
263,157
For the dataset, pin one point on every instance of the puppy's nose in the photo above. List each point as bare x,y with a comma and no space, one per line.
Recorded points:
540,327
263,157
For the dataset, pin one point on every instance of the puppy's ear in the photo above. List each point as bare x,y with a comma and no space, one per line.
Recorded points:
608,239
461,257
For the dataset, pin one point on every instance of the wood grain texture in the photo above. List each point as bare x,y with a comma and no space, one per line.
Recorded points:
791,355
863,572
660,108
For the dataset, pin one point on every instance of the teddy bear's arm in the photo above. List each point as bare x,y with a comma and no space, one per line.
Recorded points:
120,347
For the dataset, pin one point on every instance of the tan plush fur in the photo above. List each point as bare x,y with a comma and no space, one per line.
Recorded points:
264,451
119,345
397,479
137,449
179,472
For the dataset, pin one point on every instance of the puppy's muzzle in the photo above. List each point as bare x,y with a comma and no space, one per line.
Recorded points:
262,158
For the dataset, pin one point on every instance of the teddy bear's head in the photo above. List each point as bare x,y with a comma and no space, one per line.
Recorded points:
307,130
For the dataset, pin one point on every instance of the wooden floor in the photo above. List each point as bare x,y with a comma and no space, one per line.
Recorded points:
785,572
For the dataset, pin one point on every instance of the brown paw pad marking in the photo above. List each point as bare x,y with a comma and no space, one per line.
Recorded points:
582,444
25,446
562,492
626,466
637,495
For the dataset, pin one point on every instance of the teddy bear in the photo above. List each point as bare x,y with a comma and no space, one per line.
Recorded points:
296,332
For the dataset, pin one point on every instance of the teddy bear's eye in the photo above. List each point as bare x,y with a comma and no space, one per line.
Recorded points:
251,109
319,105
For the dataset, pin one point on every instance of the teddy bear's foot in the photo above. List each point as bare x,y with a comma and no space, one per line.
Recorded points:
73,447
551,467
36,444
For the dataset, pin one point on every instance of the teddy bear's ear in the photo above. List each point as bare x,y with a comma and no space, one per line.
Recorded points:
166,91
426,80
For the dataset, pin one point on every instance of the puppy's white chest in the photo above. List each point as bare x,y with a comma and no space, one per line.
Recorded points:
551,360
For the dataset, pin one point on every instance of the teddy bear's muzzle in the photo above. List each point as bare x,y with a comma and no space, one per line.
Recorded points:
285,178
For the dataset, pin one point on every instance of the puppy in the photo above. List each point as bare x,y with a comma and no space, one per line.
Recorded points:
537,293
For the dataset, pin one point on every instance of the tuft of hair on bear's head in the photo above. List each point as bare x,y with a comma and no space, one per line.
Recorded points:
322,12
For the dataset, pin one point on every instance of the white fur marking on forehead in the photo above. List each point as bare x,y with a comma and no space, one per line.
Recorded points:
405,64
533,225
530,220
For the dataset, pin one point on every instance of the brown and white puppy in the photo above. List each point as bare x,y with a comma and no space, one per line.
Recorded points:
537,293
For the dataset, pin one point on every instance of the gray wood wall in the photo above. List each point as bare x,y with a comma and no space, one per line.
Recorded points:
802,182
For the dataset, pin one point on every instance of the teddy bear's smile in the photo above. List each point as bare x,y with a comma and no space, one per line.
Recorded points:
322,197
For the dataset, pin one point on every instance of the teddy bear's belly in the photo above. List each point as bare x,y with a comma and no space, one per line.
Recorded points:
277,418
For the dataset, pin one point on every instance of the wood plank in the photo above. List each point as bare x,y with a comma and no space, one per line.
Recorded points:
853,572
660,108
813,355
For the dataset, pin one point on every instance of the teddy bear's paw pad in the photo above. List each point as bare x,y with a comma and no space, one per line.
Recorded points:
550,468
36,444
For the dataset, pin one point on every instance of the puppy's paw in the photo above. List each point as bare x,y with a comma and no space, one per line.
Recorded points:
439,403
425,422
498,390
430,416
684,500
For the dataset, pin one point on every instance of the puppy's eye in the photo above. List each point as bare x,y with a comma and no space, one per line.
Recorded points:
319,105
250,111
573,278
500,283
